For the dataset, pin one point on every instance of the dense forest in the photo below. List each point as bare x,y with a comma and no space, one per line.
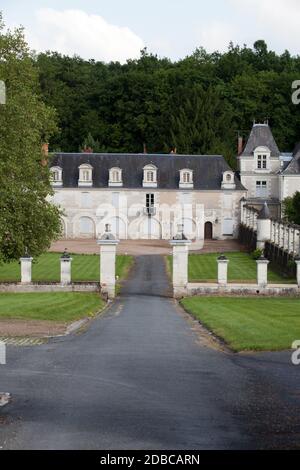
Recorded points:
197,104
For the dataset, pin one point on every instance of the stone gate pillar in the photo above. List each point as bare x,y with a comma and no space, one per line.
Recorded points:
222,270
263,227
180,263
26,269
108,247
65,268
262,272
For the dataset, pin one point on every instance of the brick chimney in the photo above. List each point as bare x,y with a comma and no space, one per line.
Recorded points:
240,145
87,150
145,148
45,154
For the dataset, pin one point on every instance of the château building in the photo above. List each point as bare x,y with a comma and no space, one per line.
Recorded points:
146,196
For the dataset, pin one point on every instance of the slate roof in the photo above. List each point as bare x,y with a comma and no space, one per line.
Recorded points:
261,136
293,167
207,169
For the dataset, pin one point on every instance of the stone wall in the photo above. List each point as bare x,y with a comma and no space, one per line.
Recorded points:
51,287
194,289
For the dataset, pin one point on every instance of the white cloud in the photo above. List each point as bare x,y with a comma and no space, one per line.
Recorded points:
277,21
89,36
215,36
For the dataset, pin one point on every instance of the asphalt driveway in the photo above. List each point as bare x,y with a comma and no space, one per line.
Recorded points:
141,377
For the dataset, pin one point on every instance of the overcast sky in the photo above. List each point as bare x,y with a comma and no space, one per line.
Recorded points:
119,29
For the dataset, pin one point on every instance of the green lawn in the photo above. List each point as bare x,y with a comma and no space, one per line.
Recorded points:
47,268
203,268
258,324
63,307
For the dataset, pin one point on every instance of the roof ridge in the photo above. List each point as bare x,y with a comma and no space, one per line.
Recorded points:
138,154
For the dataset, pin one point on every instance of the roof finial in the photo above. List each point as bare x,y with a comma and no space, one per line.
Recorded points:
264,213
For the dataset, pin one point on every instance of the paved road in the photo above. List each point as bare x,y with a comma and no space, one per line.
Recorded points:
141,378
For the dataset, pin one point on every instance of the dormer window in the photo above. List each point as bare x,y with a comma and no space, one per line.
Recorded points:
85,175
262,162
262,156
115,177
56,176
186,179
228,180
150,176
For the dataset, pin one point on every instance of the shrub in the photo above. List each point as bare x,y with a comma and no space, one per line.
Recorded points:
256,254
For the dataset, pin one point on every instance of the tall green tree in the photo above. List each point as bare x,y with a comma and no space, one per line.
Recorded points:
200,121
90,145
291,208
149,99
27,219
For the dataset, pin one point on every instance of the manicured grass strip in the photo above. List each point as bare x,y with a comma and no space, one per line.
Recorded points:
62,307
46,268
258,324
203,268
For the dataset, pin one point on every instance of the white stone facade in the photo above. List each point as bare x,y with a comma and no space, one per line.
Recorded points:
88,210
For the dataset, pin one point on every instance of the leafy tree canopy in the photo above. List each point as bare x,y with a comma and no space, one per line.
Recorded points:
291,208
27,219
198,103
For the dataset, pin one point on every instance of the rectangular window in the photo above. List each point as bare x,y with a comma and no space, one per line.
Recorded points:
86,200
86,175
149,200
228,227
186,177
150,176
261,189
116,200
115,177
262,162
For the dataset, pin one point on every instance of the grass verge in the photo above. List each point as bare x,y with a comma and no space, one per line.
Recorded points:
60,307
249,324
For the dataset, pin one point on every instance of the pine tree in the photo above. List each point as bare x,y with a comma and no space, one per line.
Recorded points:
90,145
200,121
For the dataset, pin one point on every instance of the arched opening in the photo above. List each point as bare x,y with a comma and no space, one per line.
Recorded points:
118,227
208,231
189,228
150,229
86,227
